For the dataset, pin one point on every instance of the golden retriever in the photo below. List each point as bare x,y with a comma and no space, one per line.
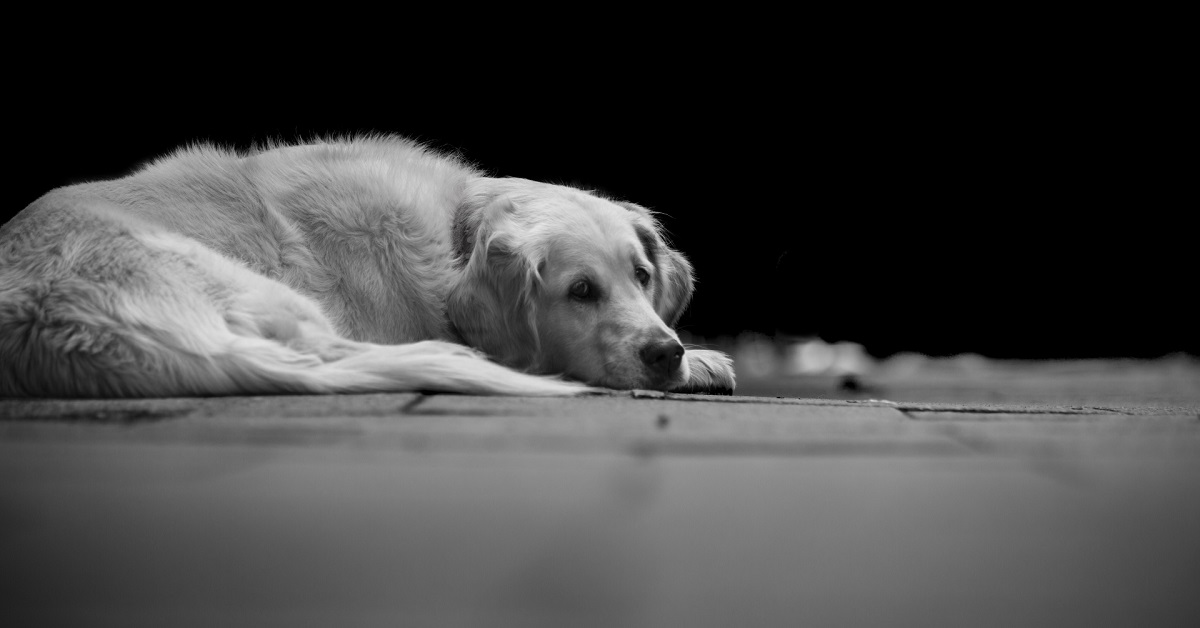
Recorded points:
363,264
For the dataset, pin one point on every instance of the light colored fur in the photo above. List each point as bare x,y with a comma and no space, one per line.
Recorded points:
353,265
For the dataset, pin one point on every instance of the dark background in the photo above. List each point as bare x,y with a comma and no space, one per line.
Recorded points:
908,203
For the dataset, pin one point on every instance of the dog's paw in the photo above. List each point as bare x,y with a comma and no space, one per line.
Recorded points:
709,372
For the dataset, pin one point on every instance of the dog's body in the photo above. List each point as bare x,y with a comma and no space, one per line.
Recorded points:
354,265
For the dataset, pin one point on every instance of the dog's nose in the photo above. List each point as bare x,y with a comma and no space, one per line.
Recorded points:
662,357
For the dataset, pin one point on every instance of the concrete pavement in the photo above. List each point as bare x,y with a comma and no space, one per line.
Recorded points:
635,509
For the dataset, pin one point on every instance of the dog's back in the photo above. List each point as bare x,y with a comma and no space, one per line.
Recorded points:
362,226
213,273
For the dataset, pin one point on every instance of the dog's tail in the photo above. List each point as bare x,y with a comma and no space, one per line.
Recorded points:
431,366
148,367
60,349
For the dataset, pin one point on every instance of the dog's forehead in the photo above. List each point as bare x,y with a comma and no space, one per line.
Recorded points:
597,216
596,230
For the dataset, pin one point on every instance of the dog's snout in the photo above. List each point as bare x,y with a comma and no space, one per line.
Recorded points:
662,357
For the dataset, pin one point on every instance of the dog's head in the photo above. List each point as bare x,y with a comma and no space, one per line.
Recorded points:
556,280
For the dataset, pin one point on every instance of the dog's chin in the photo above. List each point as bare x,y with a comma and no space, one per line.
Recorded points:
702,371
641,379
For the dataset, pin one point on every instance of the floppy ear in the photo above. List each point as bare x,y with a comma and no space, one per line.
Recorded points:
675,282
492,304
675,289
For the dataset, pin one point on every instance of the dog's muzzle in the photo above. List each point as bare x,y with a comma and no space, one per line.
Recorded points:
662,359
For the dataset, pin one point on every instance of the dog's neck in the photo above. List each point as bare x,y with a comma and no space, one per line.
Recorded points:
462,242
462,231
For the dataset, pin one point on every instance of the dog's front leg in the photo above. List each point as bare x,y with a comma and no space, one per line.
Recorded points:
708,372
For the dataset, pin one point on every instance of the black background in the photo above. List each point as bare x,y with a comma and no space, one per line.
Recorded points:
923,201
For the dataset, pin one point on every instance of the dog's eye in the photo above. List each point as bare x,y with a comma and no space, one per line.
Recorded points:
643,276
582,289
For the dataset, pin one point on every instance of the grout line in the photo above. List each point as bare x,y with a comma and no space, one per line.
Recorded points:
1075,410
1110,410
412,404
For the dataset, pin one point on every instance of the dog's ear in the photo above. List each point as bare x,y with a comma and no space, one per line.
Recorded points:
492,304
675,290
675,279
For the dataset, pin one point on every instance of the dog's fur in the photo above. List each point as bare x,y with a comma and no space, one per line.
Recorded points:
352,265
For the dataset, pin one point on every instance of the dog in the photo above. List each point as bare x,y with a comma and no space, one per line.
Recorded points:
364,264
